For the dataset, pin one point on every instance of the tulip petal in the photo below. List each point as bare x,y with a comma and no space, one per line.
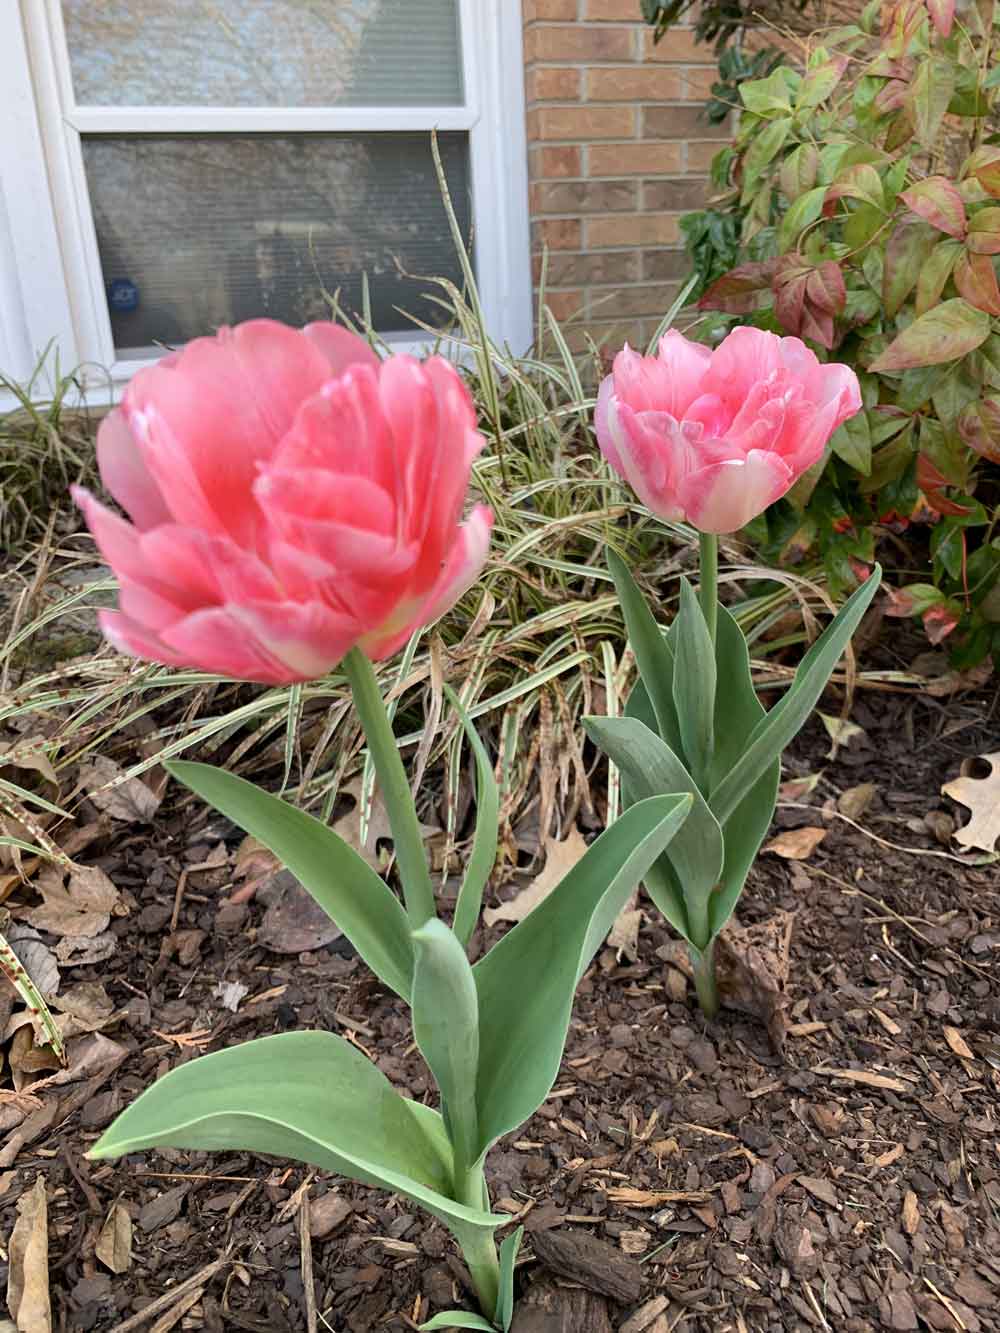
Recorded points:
308,638
125,474
217,641
686,364
724,497
602,426
135,640
341,347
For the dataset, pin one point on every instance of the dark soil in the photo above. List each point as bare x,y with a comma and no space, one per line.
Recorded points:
850,1183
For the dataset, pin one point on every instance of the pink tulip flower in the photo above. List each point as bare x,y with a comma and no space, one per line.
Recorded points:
714,437
291,497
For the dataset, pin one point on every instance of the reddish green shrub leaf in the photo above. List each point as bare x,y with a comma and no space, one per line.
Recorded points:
943,334
763,148
931,91
932,482
976,280
736,292
858,181
984,165
984,232
907,250
799,171
940,620
979,427
935,273
825,289
942,14
819,83
802,214
938,202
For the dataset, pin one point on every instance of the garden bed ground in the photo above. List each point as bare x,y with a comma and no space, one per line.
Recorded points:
851,1183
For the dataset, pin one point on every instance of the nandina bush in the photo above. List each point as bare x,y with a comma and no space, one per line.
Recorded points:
866,183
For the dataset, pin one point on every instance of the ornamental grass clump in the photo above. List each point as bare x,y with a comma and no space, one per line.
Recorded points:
296,504
714,438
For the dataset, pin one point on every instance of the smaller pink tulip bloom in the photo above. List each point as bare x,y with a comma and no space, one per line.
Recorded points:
291,497
714,437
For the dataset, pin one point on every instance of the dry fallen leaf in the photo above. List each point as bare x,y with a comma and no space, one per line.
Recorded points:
795,788
81,908
349,826
980,791
855,800
294,921
958,1043
560,858
868,1079
841,732
114,1244
624,934
29,752
911,1213
128,799
796,844
28,1279
36,957
75,951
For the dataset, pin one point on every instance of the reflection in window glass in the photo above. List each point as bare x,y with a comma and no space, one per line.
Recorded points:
198,232
266,53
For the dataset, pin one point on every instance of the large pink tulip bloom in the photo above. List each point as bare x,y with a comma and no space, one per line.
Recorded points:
291,497
716,437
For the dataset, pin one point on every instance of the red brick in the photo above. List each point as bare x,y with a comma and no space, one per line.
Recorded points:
680,122
552,83
600,267
650,83
609,337
632,229
643,299
575,197
557,233
556,163
678,46
549,9
700,155
634,159
584,122
572,42
565,305
675,196
613,11
698,83
665,265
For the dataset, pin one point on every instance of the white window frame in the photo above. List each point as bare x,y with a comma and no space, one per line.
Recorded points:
52,292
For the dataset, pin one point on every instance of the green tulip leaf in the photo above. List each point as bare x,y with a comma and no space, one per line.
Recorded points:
344,885
484,844
654,654
694,685
446,1029
309,1096
696,853
526,981
458,1319
775,729
508,1258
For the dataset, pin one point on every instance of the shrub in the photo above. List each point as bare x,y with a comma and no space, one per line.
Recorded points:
866,185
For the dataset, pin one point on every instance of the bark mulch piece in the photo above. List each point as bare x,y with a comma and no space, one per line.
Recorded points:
850,1182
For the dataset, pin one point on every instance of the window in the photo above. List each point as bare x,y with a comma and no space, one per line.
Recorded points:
175,167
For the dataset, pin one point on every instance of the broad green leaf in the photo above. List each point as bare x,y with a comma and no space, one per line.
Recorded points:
765,97
945,333
694,685
446,1029
906,251
862,225
343,884
976,280
931,91
984,232
853,443
800,215
458,1319
934,274
738,712
526,981
859,181
763,148
696,854
819,83
654,655
799,171
484,844
505,1295
776,728
310,1096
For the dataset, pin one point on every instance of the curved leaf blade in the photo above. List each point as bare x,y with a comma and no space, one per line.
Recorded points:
310,1096
344,885
694,685
446,1029
776,728
654,655
526,981
484,843
505,1296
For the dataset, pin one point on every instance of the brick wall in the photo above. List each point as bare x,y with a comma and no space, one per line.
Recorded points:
618,149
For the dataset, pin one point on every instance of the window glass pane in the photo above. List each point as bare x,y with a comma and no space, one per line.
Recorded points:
198,232
265,53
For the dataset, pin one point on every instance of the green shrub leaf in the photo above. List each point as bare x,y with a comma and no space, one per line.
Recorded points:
943,334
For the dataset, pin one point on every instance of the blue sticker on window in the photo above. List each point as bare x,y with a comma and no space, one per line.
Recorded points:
123,294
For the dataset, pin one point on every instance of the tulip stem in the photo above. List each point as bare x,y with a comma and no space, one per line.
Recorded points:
418,893
708,589
706,987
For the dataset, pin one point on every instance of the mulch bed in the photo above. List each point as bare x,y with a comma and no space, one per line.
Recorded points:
851,1182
